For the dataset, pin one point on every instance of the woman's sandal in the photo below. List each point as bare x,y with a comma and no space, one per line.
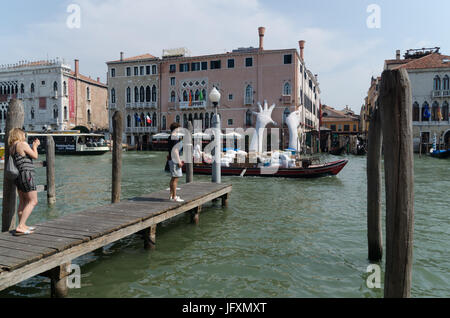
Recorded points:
27,232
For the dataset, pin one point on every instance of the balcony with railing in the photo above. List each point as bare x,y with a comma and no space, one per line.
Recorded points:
198,104
141,130
286,99
440,93
139,105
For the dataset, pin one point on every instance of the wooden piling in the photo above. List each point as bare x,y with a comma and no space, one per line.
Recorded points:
50,166
374,229
396,100
195,214
225,198
150,237
58,281
14,119
188,148
117,156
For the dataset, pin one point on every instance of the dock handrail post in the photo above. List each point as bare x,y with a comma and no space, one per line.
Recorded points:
396,113
216,173
14,119
374,227
50,167
188,156
117,156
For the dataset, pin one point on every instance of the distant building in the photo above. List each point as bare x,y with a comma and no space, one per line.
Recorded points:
54,96
134,88
343,122
429,74
370,103
244,77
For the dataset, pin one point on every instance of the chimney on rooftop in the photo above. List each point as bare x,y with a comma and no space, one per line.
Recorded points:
301,44
397,55
98,79
261,31
121,56
77,67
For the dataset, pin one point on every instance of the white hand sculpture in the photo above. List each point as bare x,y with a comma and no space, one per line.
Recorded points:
263,117
293,121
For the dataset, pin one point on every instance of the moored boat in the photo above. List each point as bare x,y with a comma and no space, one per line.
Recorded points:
258,170
72,143
441,154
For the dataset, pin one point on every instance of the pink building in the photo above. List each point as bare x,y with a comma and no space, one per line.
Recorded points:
244,77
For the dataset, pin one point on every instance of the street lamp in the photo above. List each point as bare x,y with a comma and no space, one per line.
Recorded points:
214,97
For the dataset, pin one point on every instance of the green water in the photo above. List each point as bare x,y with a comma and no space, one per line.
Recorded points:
277,238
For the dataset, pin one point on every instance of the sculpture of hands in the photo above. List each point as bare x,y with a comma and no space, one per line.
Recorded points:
293,121
263,117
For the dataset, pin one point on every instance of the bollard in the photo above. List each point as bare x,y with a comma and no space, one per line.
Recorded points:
14,119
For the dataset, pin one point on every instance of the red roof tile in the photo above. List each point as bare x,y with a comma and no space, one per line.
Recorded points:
135,58
87,79
434,60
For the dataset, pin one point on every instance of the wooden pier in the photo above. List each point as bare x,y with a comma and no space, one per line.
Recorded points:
57,242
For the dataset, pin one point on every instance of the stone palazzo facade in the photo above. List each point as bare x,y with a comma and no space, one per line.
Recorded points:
429,73
54,96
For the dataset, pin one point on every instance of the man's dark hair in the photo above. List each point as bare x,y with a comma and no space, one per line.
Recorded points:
174,126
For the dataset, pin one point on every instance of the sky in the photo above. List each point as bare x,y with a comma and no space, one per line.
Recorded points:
341,46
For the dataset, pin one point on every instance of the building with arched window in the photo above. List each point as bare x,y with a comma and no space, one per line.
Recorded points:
54,96
428,72
137,84
180,85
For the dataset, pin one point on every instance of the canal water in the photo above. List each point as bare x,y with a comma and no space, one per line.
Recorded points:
277,238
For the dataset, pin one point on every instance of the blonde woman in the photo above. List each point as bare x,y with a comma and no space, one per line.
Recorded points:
23,156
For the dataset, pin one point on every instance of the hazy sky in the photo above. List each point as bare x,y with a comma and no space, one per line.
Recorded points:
340,47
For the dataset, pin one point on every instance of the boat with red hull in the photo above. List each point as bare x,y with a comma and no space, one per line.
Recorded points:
313,171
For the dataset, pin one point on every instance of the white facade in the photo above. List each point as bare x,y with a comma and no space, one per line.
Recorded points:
430,87
43,88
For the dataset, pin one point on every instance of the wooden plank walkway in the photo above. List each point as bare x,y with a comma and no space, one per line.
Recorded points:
59,241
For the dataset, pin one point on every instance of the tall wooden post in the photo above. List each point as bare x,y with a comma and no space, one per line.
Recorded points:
14,119
189,158
396,100
374,230
50,154
117,156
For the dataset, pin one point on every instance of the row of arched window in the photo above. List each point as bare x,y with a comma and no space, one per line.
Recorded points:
13,89
445,81
8,89
435,113
139,94
204,117
143,120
